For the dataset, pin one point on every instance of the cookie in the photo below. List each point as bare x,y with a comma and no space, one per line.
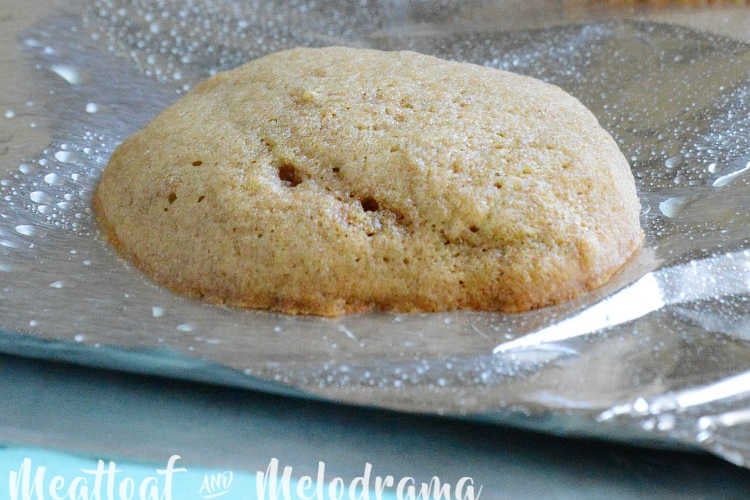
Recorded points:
339,180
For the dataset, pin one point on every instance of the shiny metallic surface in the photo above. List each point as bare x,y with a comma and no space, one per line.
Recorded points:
660,355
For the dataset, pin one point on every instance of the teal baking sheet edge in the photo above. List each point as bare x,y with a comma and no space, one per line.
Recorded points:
168,363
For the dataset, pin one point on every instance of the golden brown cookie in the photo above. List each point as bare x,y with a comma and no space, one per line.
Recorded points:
338,180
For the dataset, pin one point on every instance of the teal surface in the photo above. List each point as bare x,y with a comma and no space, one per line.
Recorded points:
65,417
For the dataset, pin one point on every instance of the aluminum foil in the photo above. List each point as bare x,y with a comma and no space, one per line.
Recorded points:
660,355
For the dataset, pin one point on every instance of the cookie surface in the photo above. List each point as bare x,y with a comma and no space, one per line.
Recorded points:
338,180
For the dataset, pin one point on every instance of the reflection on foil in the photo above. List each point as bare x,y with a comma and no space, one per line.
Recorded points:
727,178
659,354
636,300
726,388
709,430
714,277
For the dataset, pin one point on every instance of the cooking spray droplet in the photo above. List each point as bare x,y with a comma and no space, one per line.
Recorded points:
672,162
68,73
157,312
728,178
57,284
185,327
52,179
41,197
92,107
665,422
703,436
65,156
640,405
671,206
9,113
79,338
25,229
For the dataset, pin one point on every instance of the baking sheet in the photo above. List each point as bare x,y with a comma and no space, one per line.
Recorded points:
659,355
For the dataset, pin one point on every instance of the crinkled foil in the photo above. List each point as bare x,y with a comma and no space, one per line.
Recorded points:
660,355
